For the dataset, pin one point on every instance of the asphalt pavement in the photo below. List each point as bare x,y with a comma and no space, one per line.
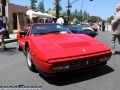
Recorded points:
14,72
13,38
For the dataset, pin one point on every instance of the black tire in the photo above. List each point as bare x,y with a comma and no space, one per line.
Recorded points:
30,63
19,47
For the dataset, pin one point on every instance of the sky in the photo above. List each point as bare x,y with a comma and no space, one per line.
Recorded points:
102,8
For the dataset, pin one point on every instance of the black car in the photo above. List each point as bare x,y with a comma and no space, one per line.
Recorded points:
93,26
78,30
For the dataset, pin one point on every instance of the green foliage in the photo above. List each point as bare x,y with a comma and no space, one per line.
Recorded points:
85,15
64,13
27,6
41,6
33,4
55,3
109,19
95,19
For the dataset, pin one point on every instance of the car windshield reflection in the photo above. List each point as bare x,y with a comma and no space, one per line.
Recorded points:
42,29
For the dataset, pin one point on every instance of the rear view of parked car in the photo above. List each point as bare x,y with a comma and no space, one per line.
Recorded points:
78,30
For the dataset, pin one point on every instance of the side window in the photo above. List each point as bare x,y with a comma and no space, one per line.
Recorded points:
27,31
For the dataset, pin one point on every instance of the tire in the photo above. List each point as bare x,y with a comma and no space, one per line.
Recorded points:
30,63
19,47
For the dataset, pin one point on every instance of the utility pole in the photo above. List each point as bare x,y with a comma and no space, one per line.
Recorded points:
81,16
69,6
4,18
68,12
57,8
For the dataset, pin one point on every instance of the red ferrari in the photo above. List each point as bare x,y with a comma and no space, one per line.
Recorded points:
54,50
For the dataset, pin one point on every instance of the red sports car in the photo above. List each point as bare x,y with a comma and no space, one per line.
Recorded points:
54,50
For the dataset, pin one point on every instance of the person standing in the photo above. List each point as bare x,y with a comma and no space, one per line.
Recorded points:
60,20
103,25
2,35
99,25
115,28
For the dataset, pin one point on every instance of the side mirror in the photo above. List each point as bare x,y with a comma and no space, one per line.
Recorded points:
22,33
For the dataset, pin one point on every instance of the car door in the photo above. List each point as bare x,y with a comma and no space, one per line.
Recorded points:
25,37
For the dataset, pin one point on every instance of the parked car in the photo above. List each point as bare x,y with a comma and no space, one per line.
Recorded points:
86,26
78,30
53,50
94,27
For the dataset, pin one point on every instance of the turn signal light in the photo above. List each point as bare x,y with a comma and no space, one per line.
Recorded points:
33,53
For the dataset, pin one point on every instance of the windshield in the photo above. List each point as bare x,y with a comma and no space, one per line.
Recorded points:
85,25
41,29
76,28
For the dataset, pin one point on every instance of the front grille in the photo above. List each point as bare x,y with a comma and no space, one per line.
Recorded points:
84,62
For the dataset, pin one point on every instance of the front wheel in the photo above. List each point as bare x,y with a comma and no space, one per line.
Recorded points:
29,60
19,47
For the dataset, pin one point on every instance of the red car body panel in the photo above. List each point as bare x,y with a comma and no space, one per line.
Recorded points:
60,46
62,49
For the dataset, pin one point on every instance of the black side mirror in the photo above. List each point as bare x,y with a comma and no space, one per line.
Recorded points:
22,33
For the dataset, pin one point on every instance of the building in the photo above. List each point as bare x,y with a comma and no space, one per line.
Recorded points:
16,15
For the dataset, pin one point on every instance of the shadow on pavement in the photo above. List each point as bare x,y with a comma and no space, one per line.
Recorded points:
9,51
79,77
117,52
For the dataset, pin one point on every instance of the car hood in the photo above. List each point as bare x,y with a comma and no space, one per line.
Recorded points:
65,45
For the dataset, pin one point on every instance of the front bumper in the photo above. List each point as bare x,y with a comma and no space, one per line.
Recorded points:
46,68
69,72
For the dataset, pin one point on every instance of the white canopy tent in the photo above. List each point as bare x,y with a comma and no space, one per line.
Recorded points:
40,14
52,16
49,16
32,13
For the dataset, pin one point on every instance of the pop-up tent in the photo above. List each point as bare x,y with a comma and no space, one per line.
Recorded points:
32,13
48,15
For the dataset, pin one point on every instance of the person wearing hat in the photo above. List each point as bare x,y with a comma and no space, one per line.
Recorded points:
60,20
115,28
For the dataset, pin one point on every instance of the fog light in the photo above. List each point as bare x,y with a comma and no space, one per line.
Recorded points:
61,68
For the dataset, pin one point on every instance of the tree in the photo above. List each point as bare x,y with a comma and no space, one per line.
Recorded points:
95,19
64,13
33,4
60,7
41,6
88,16
27,6
109,19
76,12
85,15
48,10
